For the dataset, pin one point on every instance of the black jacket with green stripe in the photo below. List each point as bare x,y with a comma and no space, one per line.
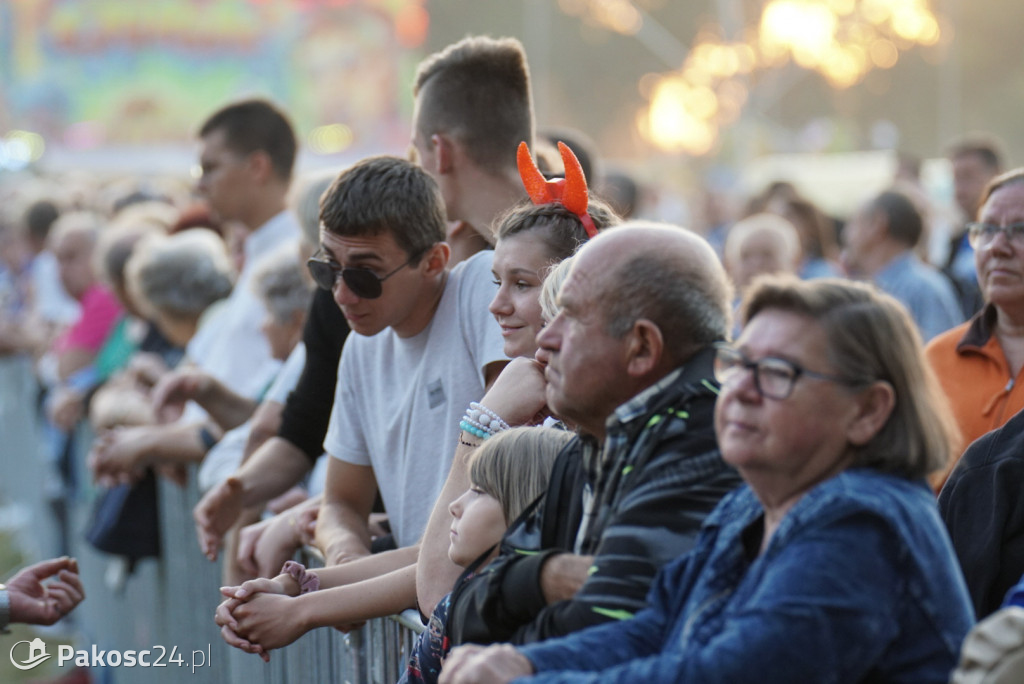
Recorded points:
634,503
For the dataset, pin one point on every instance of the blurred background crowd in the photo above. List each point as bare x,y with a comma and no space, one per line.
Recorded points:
816,137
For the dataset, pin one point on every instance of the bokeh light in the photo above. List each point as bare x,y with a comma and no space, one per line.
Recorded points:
19,148
330,139
620,16
842,40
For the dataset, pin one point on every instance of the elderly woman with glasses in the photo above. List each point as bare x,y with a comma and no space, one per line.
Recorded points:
831,564
980,363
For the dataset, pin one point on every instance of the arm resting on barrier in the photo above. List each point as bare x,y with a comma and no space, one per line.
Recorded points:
175,389
123,451
342,530
367,568
271,470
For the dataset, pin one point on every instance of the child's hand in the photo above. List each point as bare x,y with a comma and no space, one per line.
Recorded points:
269,621
229,626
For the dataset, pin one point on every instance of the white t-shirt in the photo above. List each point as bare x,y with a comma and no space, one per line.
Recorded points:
232,348
398,401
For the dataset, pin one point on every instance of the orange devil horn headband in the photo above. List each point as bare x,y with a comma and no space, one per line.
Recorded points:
570,192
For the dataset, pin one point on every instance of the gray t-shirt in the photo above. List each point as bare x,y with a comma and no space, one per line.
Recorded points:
398,401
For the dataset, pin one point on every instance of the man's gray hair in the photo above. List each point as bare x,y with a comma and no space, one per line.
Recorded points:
279,283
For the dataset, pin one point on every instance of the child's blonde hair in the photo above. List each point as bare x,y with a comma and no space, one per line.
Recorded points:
513,466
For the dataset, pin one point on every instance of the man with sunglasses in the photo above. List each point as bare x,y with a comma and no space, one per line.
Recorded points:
629,362
425,347
469,147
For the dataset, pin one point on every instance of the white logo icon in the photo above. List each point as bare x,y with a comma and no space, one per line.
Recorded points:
36,654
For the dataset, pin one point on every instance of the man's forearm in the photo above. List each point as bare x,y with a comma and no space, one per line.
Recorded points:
265,424
270,471
225,407
341,532
174,443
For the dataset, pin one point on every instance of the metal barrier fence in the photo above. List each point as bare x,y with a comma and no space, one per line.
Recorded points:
167,602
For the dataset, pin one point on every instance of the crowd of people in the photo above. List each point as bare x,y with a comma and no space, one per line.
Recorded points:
584,446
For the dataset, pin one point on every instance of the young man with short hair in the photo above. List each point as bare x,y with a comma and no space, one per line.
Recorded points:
473,108
426,346
469,148
247,153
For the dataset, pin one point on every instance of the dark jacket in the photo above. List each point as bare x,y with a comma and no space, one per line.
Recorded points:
982,505
657,476
308,408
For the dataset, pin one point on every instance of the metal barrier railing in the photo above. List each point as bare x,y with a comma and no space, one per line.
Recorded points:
170,601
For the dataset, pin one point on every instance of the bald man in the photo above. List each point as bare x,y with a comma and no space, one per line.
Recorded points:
759,244
629,362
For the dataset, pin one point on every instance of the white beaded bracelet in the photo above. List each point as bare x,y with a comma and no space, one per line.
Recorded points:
482,422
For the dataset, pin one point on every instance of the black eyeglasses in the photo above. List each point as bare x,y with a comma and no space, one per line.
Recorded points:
363,282
981,234
773,377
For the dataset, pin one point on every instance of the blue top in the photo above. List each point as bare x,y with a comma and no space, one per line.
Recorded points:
927,294
818,267
858,582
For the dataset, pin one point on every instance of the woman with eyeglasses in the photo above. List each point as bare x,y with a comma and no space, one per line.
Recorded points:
831,564
980,363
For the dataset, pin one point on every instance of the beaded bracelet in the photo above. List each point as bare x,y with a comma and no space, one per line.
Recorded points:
488,417
482,422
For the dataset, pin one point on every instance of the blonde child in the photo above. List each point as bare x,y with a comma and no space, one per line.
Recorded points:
507,473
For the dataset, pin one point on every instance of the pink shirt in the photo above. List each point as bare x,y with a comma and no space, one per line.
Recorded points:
100,311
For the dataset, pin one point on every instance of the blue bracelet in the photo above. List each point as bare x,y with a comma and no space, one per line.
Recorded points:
466,427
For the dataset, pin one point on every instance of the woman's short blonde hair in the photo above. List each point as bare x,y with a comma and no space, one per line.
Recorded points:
549,289
514,466
871,337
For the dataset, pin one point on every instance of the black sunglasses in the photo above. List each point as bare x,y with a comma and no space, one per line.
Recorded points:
363,283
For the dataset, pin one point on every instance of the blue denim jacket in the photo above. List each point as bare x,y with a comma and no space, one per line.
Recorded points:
858,583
